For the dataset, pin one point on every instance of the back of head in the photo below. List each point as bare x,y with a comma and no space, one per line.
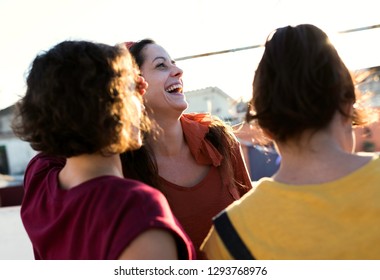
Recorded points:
300,83
79,99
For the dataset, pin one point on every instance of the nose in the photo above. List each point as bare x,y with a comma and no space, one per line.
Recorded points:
177,72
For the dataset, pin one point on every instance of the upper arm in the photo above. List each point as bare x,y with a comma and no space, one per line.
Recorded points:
153,244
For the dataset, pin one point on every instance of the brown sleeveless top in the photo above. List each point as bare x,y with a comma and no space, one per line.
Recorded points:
195,206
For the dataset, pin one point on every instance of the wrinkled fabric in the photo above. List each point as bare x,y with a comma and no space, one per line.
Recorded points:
195,206
336,220
97,219
195,127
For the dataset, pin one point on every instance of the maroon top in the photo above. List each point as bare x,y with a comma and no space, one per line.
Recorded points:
97,219
195,206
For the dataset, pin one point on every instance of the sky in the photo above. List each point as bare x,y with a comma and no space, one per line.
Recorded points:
184,28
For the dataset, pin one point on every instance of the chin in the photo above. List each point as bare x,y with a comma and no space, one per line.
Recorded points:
183,104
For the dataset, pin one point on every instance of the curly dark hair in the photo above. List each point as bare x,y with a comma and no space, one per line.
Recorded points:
300,83
79,99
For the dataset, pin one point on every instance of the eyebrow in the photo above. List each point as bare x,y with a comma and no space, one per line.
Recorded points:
164,58
159,57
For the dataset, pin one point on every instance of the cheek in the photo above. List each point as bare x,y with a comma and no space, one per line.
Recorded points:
155,79
152,87
138,107
148,98
153,95
137,120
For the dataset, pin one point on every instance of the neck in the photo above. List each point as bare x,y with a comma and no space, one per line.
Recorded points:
318,159
82,168
170,140
334,140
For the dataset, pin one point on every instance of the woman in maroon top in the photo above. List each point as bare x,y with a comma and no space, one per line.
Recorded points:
194,159
81,109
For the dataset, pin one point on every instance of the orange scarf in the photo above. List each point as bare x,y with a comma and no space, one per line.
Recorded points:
195,127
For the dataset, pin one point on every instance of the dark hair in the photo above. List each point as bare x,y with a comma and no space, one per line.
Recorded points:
136,50
79,100
300,83
141,164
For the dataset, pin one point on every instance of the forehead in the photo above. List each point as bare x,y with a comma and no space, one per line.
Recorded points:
153,51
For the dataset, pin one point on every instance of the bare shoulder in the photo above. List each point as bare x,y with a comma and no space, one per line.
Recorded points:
153,244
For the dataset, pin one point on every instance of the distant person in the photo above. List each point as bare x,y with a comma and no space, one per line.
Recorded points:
194,159
324,201
82,108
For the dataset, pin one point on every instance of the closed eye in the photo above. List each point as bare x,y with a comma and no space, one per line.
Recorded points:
161,65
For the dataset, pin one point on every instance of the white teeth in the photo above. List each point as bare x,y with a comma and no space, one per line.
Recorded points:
173,87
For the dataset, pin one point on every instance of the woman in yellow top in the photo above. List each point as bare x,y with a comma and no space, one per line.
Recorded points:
324,201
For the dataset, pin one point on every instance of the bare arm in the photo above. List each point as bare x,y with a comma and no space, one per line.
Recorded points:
153,244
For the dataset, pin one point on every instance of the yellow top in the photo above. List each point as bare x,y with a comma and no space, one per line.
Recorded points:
335,220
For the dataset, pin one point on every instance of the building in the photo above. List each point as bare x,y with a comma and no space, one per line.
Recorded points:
214,101
14,157
14,153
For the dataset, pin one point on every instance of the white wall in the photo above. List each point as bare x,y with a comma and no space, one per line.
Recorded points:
211,100
19,153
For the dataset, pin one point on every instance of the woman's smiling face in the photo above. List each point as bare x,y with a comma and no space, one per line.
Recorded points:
164,78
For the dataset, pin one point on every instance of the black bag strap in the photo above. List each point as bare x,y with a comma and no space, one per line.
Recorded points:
231,238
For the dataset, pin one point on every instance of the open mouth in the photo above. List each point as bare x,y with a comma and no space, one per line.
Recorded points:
177,88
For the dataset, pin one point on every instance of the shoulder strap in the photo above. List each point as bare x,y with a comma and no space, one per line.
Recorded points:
231,238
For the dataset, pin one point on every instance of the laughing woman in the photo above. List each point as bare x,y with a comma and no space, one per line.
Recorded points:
194,159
